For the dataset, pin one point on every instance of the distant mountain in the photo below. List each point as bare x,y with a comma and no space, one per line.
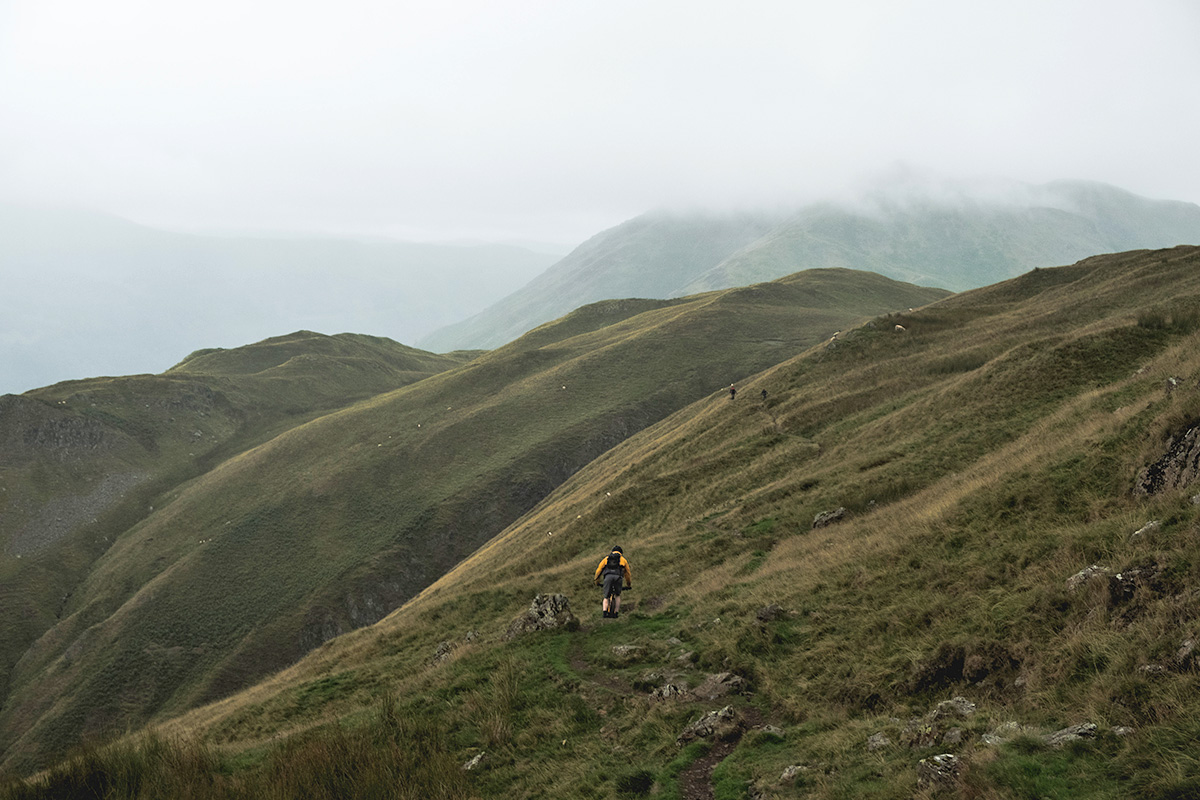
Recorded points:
90,294
169,539
956,236
654,255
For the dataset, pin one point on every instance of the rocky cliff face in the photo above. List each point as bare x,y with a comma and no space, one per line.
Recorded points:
33,429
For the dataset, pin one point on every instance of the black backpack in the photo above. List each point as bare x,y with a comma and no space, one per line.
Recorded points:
614,564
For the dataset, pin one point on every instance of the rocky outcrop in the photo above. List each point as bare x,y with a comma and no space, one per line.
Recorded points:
546,612
1084,576
32,430
1074,733
722,725
940,771
668,691
720,685
927,731
1008,731
1123,585
826,518
1178,467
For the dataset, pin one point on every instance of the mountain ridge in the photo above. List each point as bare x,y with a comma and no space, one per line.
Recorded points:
956,236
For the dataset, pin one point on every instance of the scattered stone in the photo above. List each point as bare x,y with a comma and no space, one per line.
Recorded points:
954,737
829,517
1173,383
474,762
723,725
1152,669
919,734
1121,730
792,772
546,612
959,707
1186,654
774,731
1149,527
769,613
471,636
668,691
938,771
878,741
1085,575
442,652
1196,499
674,642
1003,733
626,652
719,685
1074,733
1123,585
685,659
922,732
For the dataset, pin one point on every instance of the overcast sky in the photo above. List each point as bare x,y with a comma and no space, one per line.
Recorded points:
554,120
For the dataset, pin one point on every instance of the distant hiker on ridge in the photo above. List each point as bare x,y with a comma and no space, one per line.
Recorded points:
732,391
614,569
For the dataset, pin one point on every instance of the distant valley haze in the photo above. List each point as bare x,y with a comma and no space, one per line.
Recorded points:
178,176
91,294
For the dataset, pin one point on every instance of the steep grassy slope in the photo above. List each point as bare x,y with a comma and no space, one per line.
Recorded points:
956,237
332,524
82,462
984,455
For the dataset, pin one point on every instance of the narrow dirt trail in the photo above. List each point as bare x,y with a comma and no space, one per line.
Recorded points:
695,782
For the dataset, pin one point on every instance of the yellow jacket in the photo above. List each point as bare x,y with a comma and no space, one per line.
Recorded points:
624,566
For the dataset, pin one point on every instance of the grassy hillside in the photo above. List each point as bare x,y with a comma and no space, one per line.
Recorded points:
958,237
986,456
331,524
84,461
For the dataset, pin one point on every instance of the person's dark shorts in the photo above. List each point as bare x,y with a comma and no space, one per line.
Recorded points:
613,583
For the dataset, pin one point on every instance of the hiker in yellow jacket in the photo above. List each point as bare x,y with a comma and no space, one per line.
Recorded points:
613,569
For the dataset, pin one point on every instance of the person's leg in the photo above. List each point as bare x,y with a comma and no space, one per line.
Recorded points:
612,588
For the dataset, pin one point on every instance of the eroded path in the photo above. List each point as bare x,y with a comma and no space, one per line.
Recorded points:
695,782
